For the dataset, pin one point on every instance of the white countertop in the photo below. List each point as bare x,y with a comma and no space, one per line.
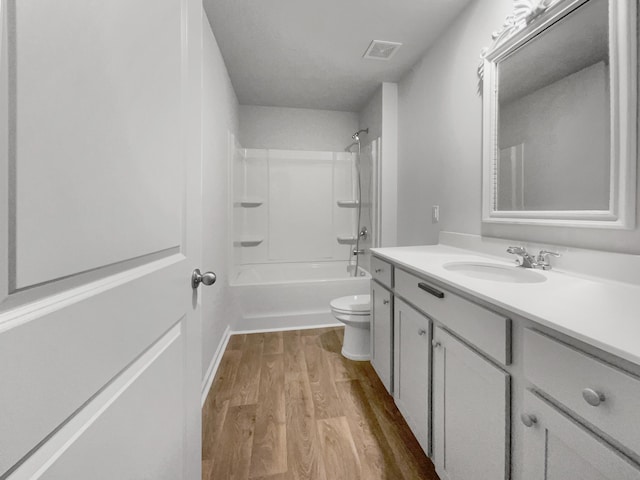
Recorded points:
601,313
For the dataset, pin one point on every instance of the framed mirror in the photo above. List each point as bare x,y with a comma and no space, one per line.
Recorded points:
559,88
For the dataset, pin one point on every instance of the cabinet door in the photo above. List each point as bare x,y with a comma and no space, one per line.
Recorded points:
471,414
557,448
381,333
412,370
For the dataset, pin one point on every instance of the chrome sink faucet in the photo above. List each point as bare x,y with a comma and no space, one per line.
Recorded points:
525,260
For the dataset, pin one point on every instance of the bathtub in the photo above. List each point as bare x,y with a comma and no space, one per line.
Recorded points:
287,296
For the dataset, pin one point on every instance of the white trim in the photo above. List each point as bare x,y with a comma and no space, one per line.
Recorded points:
213,366
521,28
287,329
284,322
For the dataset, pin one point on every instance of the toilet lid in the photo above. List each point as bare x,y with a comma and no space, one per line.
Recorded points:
353,304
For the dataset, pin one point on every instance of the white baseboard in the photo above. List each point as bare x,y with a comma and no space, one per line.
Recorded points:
213,366
280,323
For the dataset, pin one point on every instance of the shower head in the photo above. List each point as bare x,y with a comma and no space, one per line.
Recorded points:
356,136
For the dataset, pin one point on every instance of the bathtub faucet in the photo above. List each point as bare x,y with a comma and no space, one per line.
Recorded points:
358,252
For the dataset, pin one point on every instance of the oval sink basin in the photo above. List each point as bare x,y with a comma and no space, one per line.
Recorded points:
495,272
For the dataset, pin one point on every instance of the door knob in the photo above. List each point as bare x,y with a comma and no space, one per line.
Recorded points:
528,420
208,278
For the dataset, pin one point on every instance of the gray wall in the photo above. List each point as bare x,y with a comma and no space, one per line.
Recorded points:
371,117
296,128
440,144
564,128
219,116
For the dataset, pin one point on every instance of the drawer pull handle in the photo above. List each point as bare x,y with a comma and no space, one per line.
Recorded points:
378,270
385,302
528,420
592,397
433,291
422,332
436,344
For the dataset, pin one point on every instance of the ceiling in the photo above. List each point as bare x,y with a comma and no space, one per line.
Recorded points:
308,53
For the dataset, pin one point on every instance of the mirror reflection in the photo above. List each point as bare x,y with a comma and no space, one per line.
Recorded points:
554,123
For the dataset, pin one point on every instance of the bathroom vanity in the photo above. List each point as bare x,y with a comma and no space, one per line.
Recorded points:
503,372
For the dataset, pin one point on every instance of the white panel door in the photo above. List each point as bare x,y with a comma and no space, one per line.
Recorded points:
100,221
470,413
558,448
412,369
382,334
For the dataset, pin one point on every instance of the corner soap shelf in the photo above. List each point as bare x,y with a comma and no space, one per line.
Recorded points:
348,203
346,240
248,202
249,241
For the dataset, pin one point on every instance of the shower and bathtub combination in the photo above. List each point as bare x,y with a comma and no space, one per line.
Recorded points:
298,217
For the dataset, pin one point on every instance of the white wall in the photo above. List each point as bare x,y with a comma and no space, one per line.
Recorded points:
380,116
440,129
371,117
296,128
220,116
440,144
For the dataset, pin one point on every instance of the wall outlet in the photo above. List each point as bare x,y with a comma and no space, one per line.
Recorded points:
435,214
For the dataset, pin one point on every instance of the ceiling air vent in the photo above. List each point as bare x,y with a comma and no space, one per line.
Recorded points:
381,50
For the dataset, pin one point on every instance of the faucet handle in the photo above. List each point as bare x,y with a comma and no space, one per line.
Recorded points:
546,253
543,259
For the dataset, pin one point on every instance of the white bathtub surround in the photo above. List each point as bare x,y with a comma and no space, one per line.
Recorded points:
597,311
288,296
289,200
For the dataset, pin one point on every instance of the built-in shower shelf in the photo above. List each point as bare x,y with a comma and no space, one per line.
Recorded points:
348,203
347,240
248,241
248,202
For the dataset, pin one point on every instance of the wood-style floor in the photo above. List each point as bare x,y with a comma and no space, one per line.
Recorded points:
288,406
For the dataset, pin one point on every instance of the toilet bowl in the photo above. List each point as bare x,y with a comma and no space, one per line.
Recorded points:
355,312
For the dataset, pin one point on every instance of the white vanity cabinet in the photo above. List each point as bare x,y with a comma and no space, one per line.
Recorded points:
412,369
603,397
556,447
382,321
471,405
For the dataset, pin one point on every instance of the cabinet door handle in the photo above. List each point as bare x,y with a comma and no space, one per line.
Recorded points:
436,344
378,270
385,302
433,291
593,397
528,420
422,332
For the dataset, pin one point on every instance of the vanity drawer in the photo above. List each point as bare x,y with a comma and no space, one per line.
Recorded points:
382,271
572,378
483,328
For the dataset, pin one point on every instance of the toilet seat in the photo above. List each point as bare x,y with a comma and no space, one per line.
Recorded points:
352,305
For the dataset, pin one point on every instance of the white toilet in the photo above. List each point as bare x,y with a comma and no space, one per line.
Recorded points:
355,312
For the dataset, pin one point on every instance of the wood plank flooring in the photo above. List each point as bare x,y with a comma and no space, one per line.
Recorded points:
289,406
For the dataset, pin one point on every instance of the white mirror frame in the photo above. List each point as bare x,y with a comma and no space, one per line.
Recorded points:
529,19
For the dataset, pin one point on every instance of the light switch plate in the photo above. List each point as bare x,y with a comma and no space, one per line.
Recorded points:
435,214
